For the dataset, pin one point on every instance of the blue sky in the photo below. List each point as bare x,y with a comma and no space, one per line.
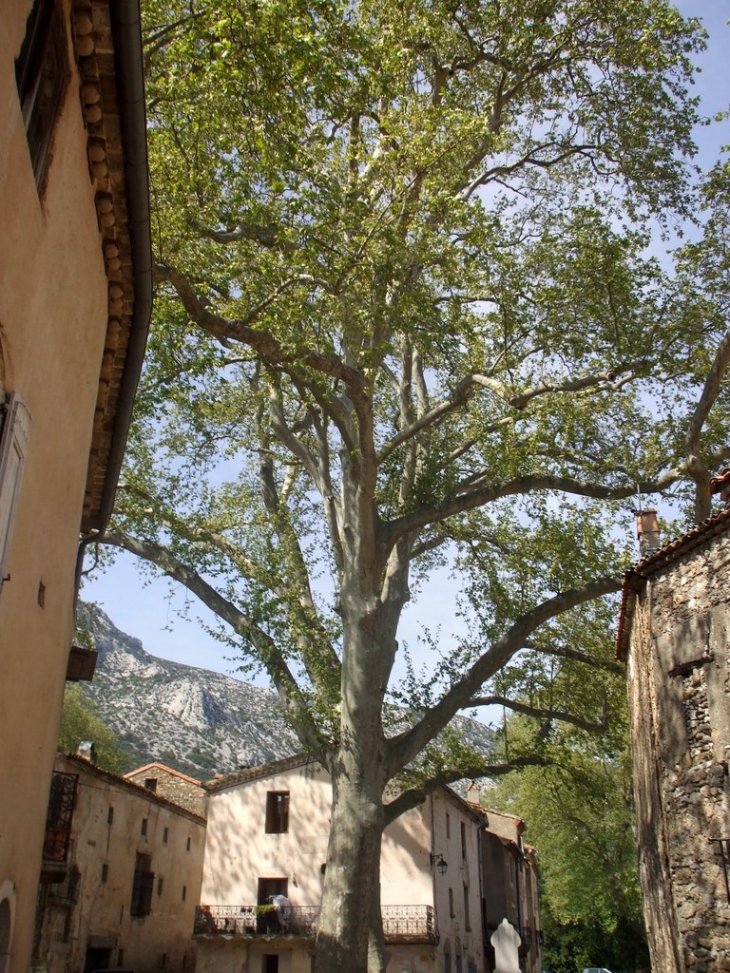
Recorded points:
149,609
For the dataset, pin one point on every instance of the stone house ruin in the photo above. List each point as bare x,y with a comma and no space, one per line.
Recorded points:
674,634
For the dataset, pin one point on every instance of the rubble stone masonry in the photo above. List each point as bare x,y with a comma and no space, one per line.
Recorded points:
678,681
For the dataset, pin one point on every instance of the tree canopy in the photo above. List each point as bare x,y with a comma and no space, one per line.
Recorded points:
579,814
407,321
80,723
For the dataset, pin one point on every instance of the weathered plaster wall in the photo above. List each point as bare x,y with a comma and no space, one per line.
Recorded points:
238,852
53,317
104,852
678,678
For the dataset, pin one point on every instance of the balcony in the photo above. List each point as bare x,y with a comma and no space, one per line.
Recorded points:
58,827
401,923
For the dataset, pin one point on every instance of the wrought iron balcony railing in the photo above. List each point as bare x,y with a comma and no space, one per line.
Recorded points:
401,923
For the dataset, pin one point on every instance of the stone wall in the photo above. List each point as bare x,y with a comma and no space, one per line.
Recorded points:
678,669
173,786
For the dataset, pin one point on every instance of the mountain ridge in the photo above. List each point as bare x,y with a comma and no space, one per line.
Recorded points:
195,720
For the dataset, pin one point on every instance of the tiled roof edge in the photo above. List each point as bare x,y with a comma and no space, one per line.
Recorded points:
635,577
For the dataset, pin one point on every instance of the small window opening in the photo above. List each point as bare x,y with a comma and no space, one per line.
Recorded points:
277,812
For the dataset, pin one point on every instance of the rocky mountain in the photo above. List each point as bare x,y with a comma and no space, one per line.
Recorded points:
195,720
200,722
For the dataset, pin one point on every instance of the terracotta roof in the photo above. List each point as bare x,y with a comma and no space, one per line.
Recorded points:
168,770
636,577
520,826
257,773
129,785
108,53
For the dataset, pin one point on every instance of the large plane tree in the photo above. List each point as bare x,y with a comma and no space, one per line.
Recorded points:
407,323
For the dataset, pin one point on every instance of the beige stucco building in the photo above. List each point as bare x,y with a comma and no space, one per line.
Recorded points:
674,632
74,304
268,830
123,868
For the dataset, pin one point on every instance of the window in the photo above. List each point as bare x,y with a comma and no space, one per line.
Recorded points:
120,958
110,815
447,962
270,963
5,927
42,73
187,846
143,829
150,784
458,963
272,886
184,892
463,841
277,812
451,903
467,920
448,825
144,882
13,447
165,834
160,883
104,873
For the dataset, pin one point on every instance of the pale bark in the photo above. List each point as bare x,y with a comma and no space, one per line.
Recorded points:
696,468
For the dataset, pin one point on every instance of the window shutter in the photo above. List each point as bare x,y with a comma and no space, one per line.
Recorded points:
13,447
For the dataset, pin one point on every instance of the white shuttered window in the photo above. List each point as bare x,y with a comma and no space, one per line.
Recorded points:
13,447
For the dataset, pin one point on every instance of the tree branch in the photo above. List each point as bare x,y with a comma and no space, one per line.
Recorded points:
695,466
267,236
403,748
413,796
563,652
265,647
536,711
470,496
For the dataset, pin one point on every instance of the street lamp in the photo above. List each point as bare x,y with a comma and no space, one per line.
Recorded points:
438,861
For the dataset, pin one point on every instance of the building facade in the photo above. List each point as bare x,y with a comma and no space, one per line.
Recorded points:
511,887
172,785
75,290
268,830
674,632
122,874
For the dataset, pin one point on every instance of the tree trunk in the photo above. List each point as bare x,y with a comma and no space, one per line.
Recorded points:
346,937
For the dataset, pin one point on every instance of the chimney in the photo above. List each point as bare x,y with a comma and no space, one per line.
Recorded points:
721,484
647,530
87,750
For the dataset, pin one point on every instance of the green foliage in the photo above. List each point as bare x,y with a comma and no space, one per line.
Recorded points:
579,812
80,722
407,318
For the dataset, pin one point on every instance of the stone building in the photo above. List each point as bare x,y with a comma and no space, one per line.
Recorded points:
122,871
172,785
75,292
674,633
